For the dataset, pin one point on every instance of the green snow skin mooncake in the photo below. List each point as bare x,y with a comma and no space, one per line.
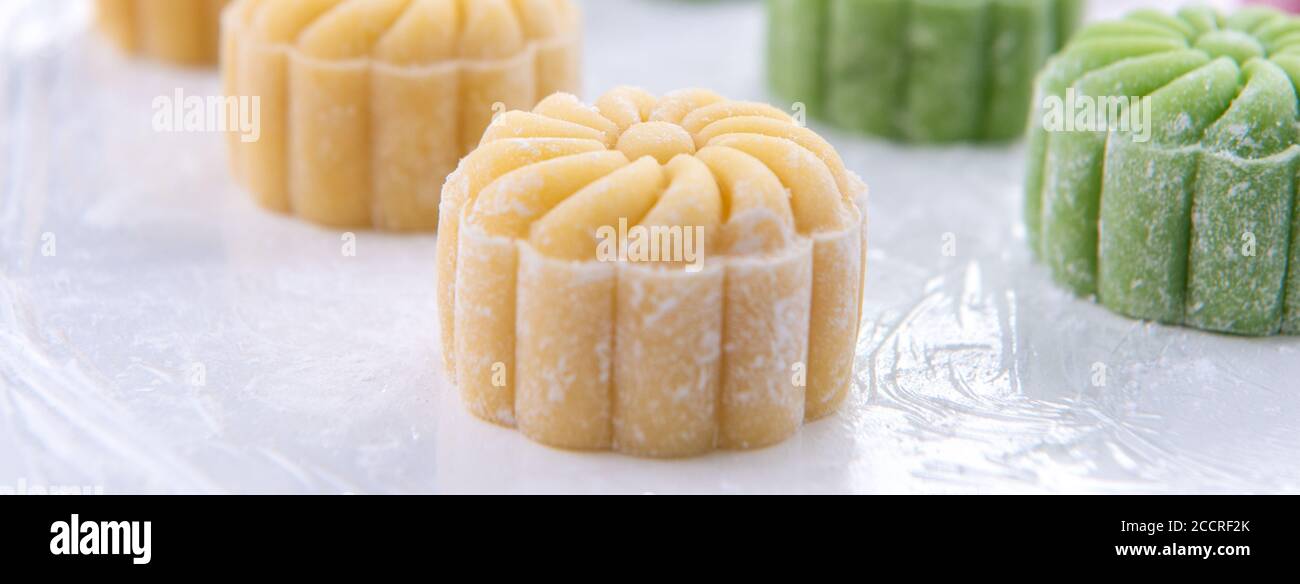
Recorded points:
1187,214
926,71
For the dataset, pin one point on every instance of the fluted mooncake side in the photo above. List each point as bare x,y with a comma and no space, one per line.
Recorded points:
916,70
184,32
582,343
366,105
1191,219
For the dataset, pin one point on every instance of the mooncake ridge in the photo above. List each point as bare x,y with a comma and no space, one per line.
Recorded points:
647,357
367,105
1197,222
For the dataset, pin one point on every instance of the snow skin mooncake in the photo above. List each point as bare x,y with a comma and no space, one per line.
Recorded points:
1187,213
580,339
926,71
183,32
367,105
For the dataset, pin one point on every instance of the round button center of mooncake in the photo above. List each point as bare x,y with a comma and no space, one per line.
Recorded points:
1235,45
661,140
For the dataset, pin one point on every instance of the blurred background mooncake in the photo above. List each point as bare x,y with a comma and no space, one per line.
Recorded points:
916,70
183,32
367,105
